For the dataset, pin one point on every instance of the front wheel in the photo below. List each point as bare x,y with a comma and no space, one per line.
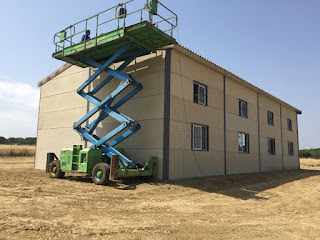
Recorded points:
55,170
100,174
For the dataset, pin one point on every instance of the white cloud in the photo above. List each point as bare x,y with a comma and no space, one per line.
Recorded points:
19,104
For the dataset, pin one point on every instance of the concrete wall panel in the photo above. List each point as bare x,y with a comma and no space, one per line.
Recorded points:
240,92
242,163
186,164
240,124
193,70
271,163
60,119
61,102
67,81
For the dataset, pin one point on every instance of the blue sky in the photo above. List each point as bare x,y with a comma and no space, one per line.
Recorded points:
273,44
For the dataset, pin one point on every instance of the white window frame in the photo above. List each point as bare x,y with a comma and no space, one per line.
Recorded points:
242,144
205,140
200,86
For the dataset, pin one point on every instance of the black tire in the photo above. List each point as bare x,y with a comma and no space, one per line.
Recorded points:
55,169
139,165
101,178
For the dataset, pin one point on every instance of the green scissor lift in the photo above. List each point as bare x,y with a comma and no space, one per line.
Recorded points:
124,41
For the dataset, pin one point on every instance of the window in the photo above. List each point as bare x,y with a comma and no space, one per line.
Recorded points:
271,146
243,140
200,93
289,125
199,139
290,148
270,118
243,109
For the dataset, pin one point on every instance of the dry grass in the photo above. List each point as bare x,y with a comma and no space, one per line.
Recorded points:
309,163
17,150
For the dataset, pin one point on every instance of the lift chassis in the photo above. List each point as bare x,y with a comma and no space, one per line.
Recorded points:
94,163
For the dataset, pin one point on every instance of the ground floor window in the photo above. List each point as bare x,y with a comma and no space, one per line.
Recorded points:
243,141
199,139
290,148
271,146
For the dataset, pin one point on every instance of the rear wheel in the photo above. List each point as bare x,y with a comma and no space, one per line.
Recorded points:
100,174
55,169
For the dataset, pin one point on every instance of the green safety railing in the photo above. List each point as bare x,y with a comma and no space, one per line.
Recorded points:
72,34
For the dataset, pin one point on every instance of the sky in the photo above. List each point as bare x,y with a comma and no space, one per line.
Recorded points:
273,44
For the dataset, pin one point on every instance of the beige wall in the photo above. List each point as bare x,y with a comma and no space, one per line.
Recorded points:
61,106
185,163
270,162
241,162
290,162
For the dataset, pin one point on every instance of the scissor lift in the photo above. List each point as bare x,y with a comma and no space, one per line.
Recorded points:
123,44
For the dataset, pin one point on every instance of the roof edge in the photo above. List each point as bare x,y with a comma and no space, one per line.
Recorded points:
54,74
228,74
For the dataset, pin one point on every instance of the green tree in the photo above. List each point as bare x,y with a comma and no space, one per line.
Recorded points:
304,154
20,141
3,140
11,140
30,141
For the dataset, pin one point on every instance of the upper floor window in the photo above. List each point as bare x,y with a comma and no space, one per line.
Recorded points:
243,141
289,124
243,108
271,146
270,118
199,139
200,93
290,148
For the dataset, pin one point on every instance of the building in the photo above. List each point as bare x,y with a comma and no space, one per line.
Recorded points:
196,117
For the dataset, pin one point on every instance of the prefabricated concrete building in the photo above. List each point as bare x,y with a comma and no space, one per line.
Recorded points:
196,117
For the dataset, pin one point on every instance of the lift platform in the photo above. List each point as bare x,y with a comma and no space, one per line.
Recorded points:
127,39
101,48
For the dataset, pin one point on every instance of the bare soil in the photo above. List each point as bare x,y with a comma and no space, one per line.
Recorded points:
275,205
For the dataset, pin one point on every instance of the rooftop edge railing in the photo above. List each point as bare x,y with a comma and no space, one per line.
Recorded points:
67,37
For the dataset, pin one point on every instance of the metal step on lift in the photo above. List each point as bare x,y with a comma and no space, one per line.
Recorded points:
124,44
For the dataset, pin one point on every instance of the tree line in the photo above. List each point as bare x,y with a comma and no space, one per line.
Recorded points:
18,141
310,153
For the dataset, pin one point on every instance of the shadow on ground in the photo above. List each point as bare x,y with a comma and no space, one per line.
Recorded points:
242,186
248,186
122,184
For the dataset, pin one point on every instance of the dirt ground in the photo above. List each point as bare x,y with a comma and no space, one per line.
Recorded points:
276,205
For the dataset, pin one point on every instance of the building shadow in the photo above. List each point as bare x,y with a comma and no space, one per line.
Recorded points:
241,186
247,186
